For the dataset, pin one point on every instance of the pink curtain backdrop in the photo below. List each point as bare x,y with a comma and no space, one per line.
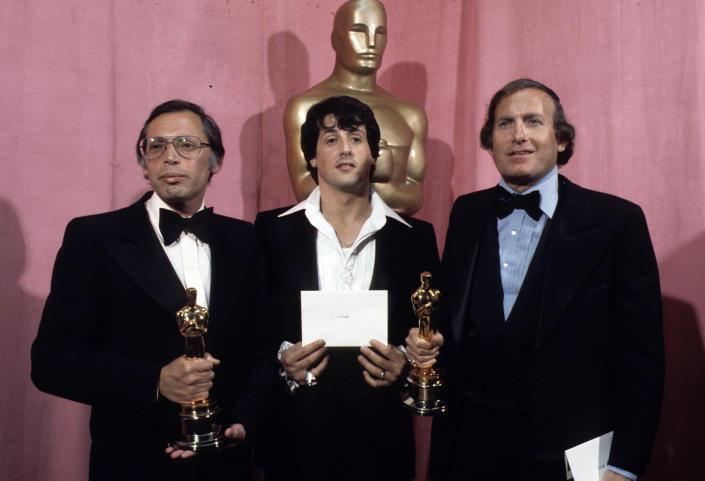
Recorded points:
78,78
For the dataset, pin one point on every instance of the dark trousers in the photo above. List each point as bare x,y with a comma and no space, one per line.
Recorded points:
232,464
498,445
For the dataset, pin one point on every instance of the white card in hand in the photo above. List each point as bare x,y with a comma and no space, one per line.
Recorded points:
344,318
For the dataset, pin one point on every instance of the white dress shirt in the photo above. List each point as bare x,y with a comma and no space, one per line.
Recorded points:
345,269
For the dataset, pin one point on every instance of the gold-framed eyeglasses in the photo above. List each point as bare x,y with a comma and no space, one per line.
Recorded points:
187,146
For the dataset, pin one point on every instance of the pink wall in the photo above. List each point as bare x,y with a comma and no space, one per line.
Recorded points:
78,78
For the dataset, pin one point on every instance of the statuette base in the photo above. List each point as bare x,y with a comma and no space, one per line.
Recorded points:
422,396
201,427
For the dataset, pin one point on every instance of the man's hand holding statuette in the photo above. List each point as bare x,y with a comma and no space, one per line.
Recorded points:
423,353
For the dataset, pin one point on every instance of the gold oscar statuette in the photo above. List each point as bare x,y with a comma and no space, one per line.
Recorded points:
422,389
200,425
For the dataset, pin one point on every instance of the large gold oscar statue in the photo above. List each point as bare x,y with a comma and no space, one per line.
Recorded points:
200,425
422,390
359,37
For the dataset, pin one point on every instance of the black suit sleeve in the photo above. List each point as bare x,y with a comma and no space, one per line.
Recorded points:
68,358
638,349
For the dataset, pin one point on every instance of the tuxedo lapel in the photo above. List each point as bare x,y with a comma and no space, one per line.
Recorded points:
390,251
460,256
390,254
227,268
576,242
486,285
137,251
297,237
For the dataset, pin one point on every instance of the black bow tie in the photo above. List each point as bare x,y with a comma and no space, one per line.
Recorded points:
172,224
507,202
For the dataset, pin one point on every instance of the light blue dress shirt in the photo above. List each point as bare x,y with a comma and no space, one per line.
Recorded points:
519,235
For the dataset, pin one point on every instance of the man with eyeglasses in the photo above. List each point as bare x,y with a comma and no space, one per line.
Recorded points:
108,335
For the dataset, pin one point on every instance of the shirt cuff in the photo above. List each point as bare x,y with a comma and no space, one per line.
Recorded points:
283,375
623,472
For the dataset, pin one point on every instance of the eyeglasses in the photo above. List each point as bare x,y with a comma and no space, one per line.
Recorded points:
187,146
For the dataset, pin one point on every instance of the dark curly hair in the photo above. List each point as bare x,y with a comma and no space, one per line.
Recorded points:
350,114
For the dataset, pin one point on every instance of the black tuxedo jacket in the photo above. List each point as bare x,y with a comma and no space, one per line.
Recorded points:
109,326
342,429
598,361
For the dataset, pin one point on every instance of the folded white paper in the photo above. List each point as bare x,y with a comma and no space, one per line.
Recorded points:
588,461
344,318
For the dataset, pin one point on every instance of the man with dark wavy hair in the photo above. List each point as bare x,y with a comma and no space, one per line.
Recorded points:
552,299
108,336
339,415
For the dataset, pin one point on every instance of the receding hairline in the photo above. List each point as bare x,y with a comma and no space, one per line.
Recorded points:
173,112
546,95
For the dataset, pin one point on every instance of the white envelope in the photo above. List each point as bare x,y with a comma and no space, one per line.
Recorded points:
344,318
588,461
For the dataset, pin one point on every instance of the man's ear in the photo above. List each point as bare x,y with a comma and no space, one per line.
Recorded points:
215,169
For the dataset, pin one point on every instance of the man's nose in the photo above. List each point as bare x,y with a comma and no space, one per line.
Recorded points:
519,132
170,154
346,145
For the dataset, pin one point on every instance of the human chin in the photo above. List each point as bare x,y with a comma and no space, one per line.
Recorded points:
514,174
519,180
169,192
